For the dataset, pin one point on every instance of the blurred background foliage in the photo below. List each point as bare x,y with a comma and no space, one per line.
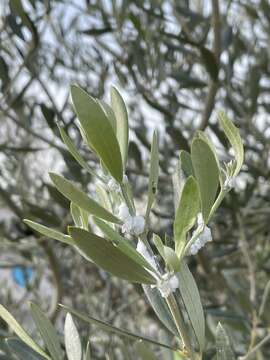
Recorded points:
175,63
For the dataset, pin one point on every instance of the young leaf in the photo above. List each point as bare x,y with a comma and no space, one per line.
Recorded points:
123,244
72,340
171,259
47,332
22,350
187,210
103,197
224,351
121,115
78,197
53,234
234,138
110,328
186,163
153,176
87,355
79,216
20,332
192,301
98,131
207,174
159,245
107,256
74,152
161,309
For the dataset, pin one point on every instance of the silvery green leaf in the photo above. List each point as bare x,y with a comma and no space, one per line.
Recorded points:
98,131
51,233
72,339
161,309
74,152
121,115
21,333
186,213
159,245
153,176
78,197
233,135
79,216
192,301
171,259
110,113
47,332
22,350
110,328
122,244
108,257
223,347
186,163
207,174
103,197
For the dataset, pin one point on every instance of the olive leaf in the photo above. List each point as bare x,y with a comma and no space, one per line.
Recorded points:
21,333
72,339
78,197
186,213
121,115
74,152
153,176
51,233
233,135
223,347
98,131
207,174
47,332
108,257
192,301
110,328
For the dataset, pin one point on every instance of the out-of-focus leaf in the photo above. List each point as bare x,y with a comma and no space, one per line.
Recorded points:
49,116
51,233
153,176
207,174
47,332
160,307
122,127
135,154
22,350
72,340
210,62
98,131
107,256
234,138
187,211
144,351
87,352
4,72
110,328
223,347
192,301
103,197
14,26
78,197
20,332
74,152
